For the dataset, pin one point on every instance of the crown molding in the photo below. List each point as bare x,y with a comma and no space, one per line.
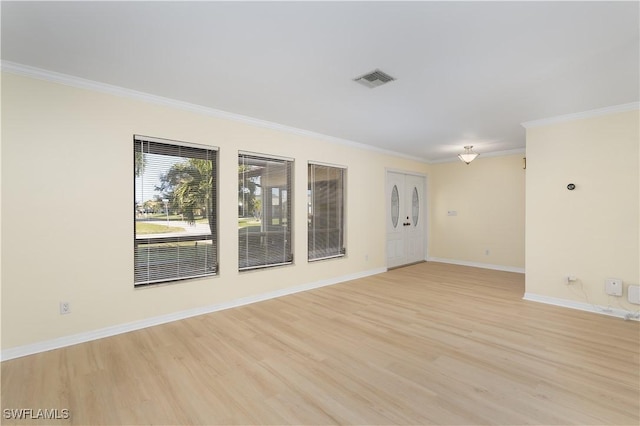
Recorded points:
82,83
504,153
581,115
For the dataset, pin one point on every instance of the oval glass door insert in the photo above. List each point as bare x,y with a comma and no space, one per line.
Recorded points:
395,206
415,206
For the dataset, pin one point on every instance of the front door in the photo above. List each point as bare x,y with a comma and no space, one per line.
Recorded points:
405,219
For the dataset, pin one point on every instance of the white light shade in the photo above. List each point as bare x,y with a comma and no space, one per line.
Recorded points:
468,155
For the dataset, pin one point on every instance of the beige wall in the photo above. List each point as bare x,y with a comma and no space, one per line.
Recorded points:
67,231
488,197
591,232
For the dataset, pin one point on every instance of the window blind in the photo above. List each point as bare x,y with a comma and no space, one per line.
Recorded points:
264,211
175,211
325,212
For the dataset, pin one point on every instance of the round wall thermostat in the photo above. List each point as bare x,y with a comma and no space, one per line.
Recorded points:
571,187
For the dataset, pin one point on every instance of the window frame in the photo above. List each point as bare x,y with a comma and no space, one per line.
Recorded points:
168,147
341,250
264,237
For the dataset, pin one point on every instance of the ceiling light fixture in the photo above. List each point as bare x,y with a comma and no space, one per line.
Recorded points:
468,155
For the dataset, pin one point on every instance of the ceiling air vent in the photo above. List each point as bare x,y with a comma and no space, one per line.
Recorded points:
374,79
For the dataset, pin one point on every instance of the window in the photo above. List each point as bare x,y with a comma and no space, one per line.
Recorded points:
175,211
326,211
264,211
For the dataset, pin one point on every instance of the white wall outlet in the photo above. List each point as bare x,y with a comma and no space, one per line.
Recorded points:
613,286
65,308
570,279
452,213
487,252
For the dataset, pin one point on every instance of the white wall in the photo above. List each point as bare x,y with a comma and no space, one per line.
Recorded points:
593,231
67,225
488,198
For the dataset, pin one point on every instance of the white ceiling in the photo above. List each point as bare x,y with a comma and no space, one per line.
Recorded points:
468,73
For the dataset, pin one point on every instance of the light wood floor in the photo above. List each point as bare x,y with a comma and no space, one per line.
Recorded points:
426,344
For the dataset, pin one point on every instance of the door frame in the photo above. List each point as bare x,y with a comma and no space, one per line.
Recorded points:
427,204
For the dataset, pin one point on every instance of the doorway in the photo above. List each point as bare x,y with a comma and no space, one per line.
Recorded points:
405,219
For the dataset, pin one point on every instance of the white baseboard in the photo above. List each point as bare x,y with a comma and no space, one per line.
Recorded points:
88,336
477,264
603,310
